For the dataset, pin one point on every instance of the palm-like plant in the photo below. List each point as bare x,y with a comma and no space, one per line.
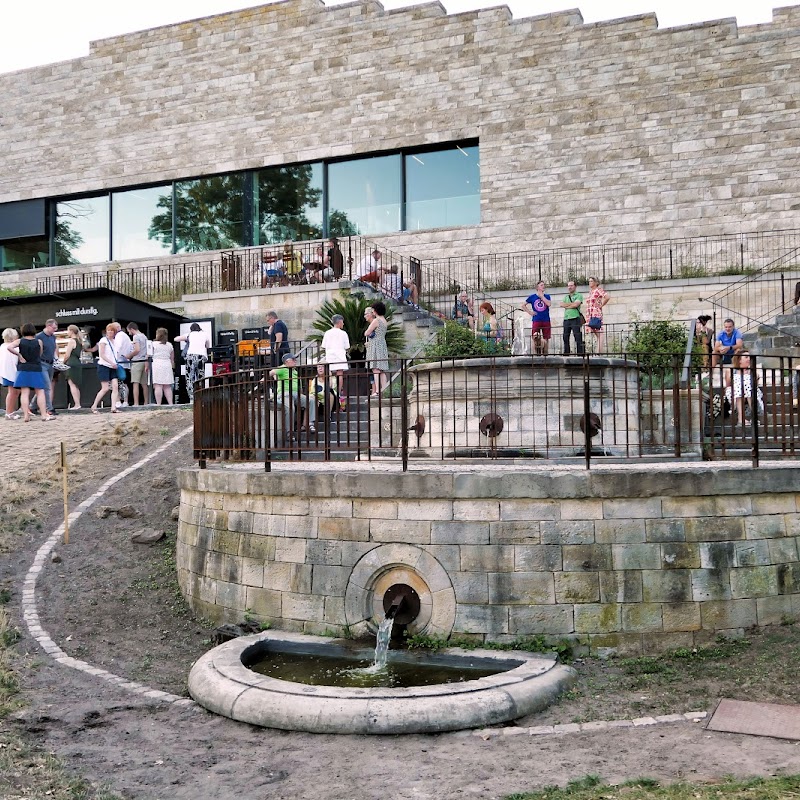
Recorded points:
351,307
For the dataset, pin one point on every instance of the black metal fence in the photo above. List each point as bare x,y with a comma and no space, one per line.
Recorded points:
434,283
577,409
699,257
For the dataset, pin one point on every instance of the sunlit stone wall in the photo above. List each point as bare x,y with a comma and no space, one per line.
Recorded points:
626,559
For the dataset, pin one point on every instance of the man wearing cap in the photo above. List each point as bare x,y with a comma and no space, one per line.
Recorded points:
288,393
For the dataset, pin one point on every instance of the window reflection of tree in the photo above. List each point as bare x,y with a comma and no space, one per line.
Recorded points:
339,224
67,238
285,196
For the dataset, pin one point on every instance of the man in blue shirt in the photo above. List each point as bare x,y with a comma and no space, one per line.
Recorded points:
728,344
47,336
538,306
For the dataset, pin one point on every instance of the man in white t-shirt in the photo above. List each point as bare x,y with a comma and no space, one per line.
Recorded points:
369,267
336,343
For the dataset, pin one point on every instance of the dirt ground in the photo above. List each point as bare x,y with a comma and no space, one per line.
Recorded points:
115,604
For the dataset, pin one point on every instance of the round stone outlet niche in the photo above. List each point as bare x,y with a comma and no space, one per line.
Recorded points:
392,564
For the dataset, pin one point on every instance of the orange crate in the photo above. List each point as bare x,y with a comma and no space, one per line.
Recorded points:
247,347
264,348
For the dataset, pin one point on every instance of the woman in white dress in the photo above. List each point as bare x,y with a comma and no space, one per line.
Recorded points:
163,366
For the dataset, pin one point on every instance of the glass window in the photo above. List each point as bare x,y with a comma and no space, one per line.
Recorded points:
141,222
82,230
364,196
443,189
288,204
209,213
24,254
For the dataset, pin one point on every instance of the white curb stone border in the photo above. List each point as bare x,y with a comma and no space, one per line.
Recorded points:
31,616
30,612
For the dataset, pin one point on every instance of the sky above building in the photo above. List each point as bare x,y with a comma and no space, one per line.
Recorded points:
44,31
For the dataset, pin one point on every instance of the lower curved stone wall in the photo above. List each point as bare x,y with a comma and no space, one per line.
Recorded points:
630,559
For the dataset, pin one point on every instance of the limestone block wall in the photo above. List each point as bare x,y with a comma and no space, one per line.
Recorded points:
612,131
633,560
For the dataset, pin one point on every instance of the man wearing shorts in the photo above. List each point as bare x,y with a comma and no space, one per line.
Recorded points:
538,306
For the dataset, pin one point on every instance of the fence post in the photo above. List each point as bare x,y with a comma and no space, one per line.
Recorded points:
479,274
783,293
403,414
753,408
676,402
587,445
670,262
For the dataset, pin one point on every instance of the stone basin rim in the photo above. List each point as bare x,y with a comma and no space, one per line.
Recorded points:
221,682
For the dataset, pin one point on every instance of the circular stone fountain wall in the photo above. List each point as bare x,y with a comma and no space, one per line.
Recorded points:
634,559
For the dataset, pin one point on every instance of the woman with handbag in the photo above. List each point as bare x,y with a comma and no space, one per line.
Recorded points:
597,300
108,370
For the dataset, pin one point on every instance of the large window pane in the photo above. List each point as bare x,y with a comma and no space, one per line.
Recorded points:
288,204
141,222
443,189
364,196
82,231
209,214
23,254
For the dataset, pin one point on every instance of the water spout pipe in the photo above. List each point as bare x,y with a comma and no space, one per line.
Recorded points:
395,606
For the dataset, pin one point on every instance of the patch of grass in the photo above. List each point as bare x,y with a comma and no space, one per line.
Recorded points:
592,788
760,667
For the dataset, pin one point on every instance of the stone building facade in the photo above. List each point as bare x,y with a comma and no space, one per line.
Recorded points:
606,132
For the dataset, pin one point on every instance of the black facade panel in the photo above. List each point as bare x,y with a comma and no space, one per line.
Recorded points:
23,218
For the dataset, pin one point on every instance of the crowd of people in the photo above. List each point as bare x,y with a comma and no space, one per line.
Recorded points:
127,365
538,305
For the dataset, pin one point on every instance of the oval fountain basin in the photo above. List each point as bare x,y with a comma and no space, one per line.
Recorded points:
522,683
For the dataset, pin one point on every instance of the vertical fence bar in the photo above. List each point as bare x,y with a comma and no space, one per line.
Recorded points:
753,408
587,438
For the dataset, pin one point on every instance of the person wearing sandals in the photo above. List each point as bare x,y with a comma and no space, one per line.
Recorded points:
8,373
107,370
72,358
29,371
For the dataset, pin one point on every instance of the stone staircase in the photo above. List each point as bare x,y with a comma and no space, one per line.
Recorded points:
419,326
779,339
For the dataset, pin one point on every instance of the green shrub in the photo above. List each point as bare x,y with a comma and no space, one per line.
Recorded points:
458,341
659,345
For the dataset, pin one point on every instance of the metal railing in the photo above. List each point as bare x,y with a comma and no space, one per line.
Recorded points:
577,409
698,257
755,300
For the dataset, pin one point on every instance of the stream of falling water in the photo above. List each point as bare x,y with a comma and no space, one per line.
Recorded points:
382,642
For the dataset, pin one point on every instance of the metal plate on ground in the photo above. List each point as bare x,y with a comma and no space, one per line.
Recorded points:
757,719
